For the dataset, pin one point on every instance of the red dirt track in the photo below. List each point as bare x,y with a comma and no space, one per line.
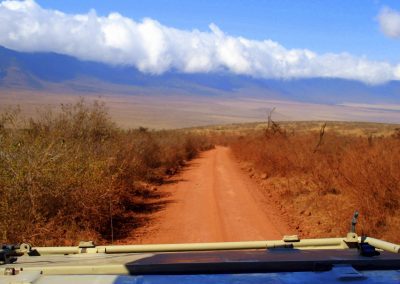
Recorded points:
214,200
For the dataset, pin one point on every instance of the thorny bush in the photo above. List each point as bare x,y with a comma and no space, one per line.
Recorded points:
64,176
319,188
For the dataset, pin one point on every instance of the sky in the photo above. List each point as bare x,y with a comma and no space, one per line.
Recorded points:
322,26
358,39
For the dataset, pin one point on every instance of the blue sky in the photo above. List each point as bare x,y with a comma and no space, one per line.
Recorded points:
355,40
322,26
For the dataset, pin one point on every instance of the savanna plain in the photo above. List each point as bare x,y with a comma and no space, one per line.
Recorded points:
74,174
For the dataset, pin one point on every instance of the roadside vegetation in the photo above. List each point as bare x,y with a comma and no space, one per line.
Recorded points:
319,177
74,175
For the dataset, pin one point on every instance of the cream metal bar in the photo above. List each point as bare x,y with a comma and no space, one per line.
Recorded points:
307,243
326,243
111,269
379,244
57,250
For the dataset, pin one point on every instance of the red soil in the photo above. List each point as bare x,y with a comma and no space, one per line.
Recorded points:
213,200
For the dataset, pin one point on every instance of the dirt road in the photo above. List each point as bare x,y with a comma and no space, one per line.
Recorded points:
214,200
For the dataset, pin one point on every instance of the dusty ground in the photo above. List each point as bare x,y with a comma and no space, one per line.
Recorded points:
176,111
213,200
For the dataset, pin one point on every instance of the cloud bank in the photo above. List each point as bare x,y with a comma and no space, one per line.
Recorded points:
389,22
154,48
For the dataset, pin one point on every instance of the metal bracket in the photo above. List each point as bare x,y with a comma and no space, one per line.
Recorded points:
7,254
86,244
352,238
354,222
291,238
367,250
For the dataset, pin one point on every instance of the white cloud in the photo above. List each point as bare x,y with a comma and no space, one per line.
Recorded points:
155,48
389,21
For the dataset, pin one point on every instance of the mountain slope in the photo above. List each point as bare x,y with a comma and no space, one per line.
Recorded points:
54,72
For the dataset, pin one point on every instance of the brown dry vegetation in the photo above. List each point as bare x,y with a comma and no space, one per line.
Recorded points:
319,187
340,127
75,175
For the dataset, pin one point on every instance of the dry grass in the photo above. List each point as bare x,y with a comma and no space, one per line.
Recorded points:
75,175
347,128
66,176
319,187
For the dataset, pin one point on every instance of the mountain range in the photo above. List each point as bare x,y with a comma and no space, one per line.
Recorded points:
53,72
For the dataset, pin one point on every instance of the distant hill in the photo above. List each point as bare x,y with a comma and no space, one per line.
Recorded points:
55,72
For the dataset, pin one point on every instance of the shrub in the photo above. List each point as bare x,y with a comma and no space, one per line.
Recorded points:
322,186
66,176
